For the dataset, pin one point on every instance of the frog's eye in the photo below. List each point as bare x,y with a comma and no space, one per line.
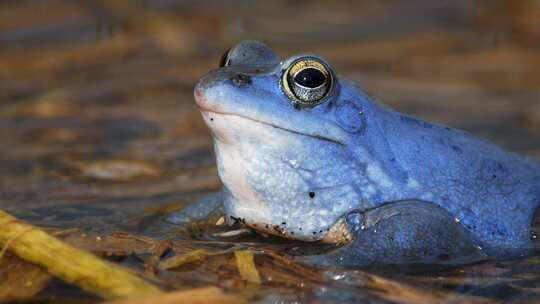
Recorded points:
249,53
307,81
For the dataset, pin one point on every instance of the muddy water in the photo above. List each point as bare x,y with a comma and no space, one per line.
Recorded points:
99,131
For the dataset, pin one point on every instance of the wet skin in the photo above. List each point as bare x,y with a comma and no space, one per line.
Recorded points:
306,155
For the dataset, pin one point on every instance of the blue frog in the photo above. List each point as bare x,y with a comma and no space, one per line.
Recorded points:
306,155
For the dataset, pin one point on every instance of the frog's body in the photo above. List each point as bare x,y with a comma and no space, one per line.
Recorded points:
299,170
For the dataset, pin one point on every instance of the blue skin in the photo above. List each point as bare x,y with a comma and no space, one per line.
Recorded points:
387,187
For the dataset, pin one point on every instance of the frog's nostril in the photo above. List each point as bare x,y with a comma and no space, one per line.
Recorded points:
241,79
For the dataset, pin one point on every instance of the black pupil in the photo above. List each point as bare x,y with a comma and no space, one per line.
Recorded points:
310,78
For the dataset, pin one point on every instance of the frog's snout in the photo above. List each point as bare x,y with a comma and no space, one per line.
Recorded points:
246,55
198,92
206,88
199,95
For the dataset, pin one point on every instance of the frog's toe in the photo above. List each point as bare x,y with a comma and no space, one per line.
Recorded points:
408,232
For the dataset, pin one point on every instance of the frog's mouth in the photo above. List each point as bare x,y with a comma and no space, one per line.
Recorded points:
209,116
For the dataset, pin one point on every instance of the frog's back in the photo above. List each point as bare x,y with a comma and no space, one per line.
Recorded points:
492,192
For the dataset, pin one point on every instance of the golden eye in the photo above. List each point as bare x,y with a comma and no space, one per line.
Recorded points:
307,81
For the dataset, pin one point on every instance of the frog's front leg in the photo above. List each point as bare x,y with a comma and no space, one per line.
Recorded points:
406,232
200,213
207,207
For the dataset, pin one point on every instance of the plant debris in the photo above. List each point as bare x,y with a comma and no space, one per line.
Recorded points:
70,264
246,266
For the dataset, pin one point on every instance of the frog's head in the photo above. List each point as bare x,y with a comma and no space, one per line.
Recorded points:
282,131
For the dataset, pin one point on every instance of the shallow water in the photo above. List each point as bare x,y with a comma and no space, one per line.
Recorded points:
99,131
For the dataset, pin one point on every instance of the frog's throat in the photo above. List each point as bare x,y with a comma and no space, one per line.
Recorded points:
338,233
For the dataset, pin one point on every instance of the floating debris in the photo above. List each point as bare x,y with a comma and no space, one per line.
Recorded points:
182,259
246,266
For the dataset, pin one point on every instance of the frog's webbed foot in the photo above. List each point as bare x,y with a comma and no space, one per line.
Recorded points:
407,232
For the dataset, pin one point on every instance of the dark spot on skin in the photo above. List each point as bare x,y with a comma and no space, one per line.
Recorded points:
320,231
211,119
447,128
283,223
241,79
494,176
311,194
267,226
292,232
457,149
444,257
300,228
417,122
279,230
314,232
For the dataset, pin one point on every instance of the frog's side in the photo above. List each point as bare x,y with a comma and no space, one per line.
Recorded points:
346,167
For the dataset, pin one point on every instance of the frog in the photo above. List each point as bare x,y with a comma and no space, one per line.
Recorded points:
307,155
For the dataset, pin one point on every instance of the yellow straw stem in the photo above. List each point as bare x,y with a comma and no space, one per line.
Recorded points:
72,265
